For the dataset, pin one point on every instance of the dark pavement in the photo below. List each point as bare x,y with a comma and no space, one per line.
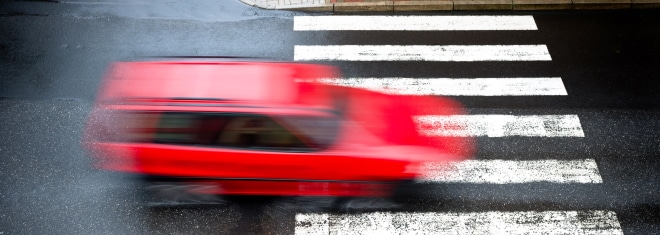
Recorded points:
52,56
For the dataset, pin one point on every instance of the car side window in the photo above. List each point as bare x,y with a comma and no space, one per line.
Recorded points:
259,132
245,131
177,128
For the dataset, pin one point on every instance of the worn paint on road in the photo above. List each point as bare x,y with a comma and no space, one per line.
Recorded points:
491,222
413,23
463,53
500,125
584,171
540,86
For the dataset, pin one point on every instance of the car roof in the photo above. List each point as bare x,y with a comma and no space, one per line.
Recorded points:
244,81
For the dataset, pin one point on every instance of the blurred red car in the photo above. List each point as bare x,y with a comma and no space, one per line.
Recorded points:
259,128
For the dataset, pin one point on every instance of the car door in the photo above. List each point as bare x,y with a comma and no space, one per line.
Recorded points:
223,145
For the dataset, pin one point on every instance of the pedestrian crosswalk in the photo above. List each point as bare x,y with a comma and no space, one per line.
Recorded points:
479,171
468,125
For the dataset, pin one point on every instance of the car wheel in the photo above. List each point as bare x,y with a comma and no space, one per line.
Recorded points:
176,194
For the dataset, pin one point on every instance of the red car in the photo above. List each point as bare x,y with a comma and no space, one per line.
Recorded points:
260,128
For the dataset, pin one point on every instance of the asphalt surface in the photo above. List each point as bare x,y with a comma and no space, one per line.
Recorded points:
52,56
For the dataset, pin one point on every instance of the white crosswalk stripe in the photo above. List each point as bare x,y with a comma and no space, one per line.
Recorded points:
490,222
463,53
413,23
540,86
500,125
583,171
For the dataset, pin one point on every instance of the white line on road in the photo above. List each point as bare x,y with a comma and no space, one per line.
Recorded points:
413,23
423,53
541,86
491,222
500,125
583,171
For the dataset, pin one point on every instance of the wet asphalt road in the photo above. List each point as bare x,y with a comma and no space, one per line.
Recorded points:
52,56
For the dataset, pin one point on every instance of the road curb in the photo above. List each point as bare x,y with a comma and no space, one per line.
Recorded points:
456,5
532,5
601,4
364,6
482,5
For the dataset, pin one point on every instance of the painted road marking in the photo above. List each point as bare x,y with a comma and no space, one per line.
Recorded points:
491,222
541,86
423,53
500,125
413,23
584,171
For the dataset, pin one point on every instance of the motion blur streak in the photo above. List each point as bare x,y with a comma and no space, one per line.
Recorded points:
261,128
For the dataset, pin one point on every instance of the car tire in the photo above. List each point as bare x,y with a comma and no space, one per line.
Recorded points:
175,193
